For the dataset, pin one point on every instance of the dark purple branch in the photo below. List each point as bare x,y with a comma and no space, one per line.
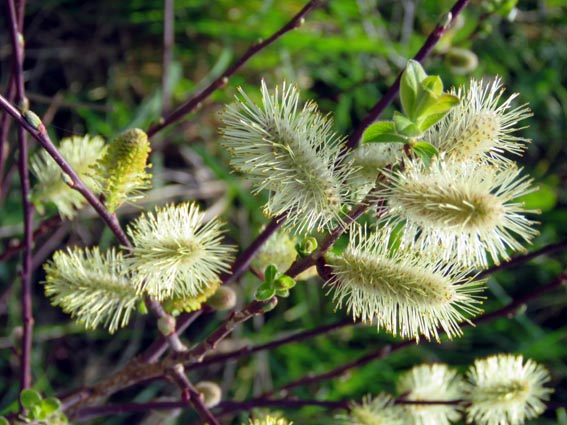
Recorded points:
190,393
512,308
158,347
26,273
17,40
137,371
20,13
297,337
521,259
168,40
197,354
392,92
221,81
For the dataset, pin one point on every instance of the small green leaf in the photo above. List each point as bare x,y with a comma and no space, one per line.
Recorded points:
425,151
405,126
270,273
284,293
264,292
435,112
376,130
141,307
36,412
433,83
285,282
442,104
50,405
306,246
29,398
409,85
4,421
426,99
389,138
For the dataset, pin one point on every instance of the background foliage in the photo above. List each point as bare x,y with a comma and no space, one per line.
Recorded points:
96,67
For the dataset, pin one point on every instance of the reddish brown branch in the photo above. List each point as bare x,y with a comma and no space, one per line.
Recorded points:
17,40
177,374
392,92
297,337
221,81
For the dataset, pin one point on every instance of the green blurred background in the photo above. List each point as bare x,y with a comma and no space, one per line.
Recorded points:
96,67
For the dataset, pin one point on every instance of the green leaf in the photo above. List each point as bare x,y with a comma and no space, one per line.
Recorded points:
426,99
284,293
4,421
36,413
435,112
405,126
377,129
29,398
425,151
265,292
389,138
50,405
409,85
443,104
434,84
141,307
285,282
306,246
270,273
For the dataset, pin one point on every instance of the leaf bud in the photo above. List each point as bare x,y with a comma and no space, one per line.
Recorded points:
210,391
223,299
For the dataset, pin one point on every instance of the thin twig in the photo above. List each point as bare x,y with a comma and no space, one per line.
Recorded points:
524,258
159,346
389,96
17,41
189,392
198,353
291,339
91,412
221,81
303,264
137,370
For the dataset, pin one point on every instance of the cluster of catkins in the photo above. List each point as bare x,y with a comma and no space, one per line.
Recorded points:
440,220
176,253
500,389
